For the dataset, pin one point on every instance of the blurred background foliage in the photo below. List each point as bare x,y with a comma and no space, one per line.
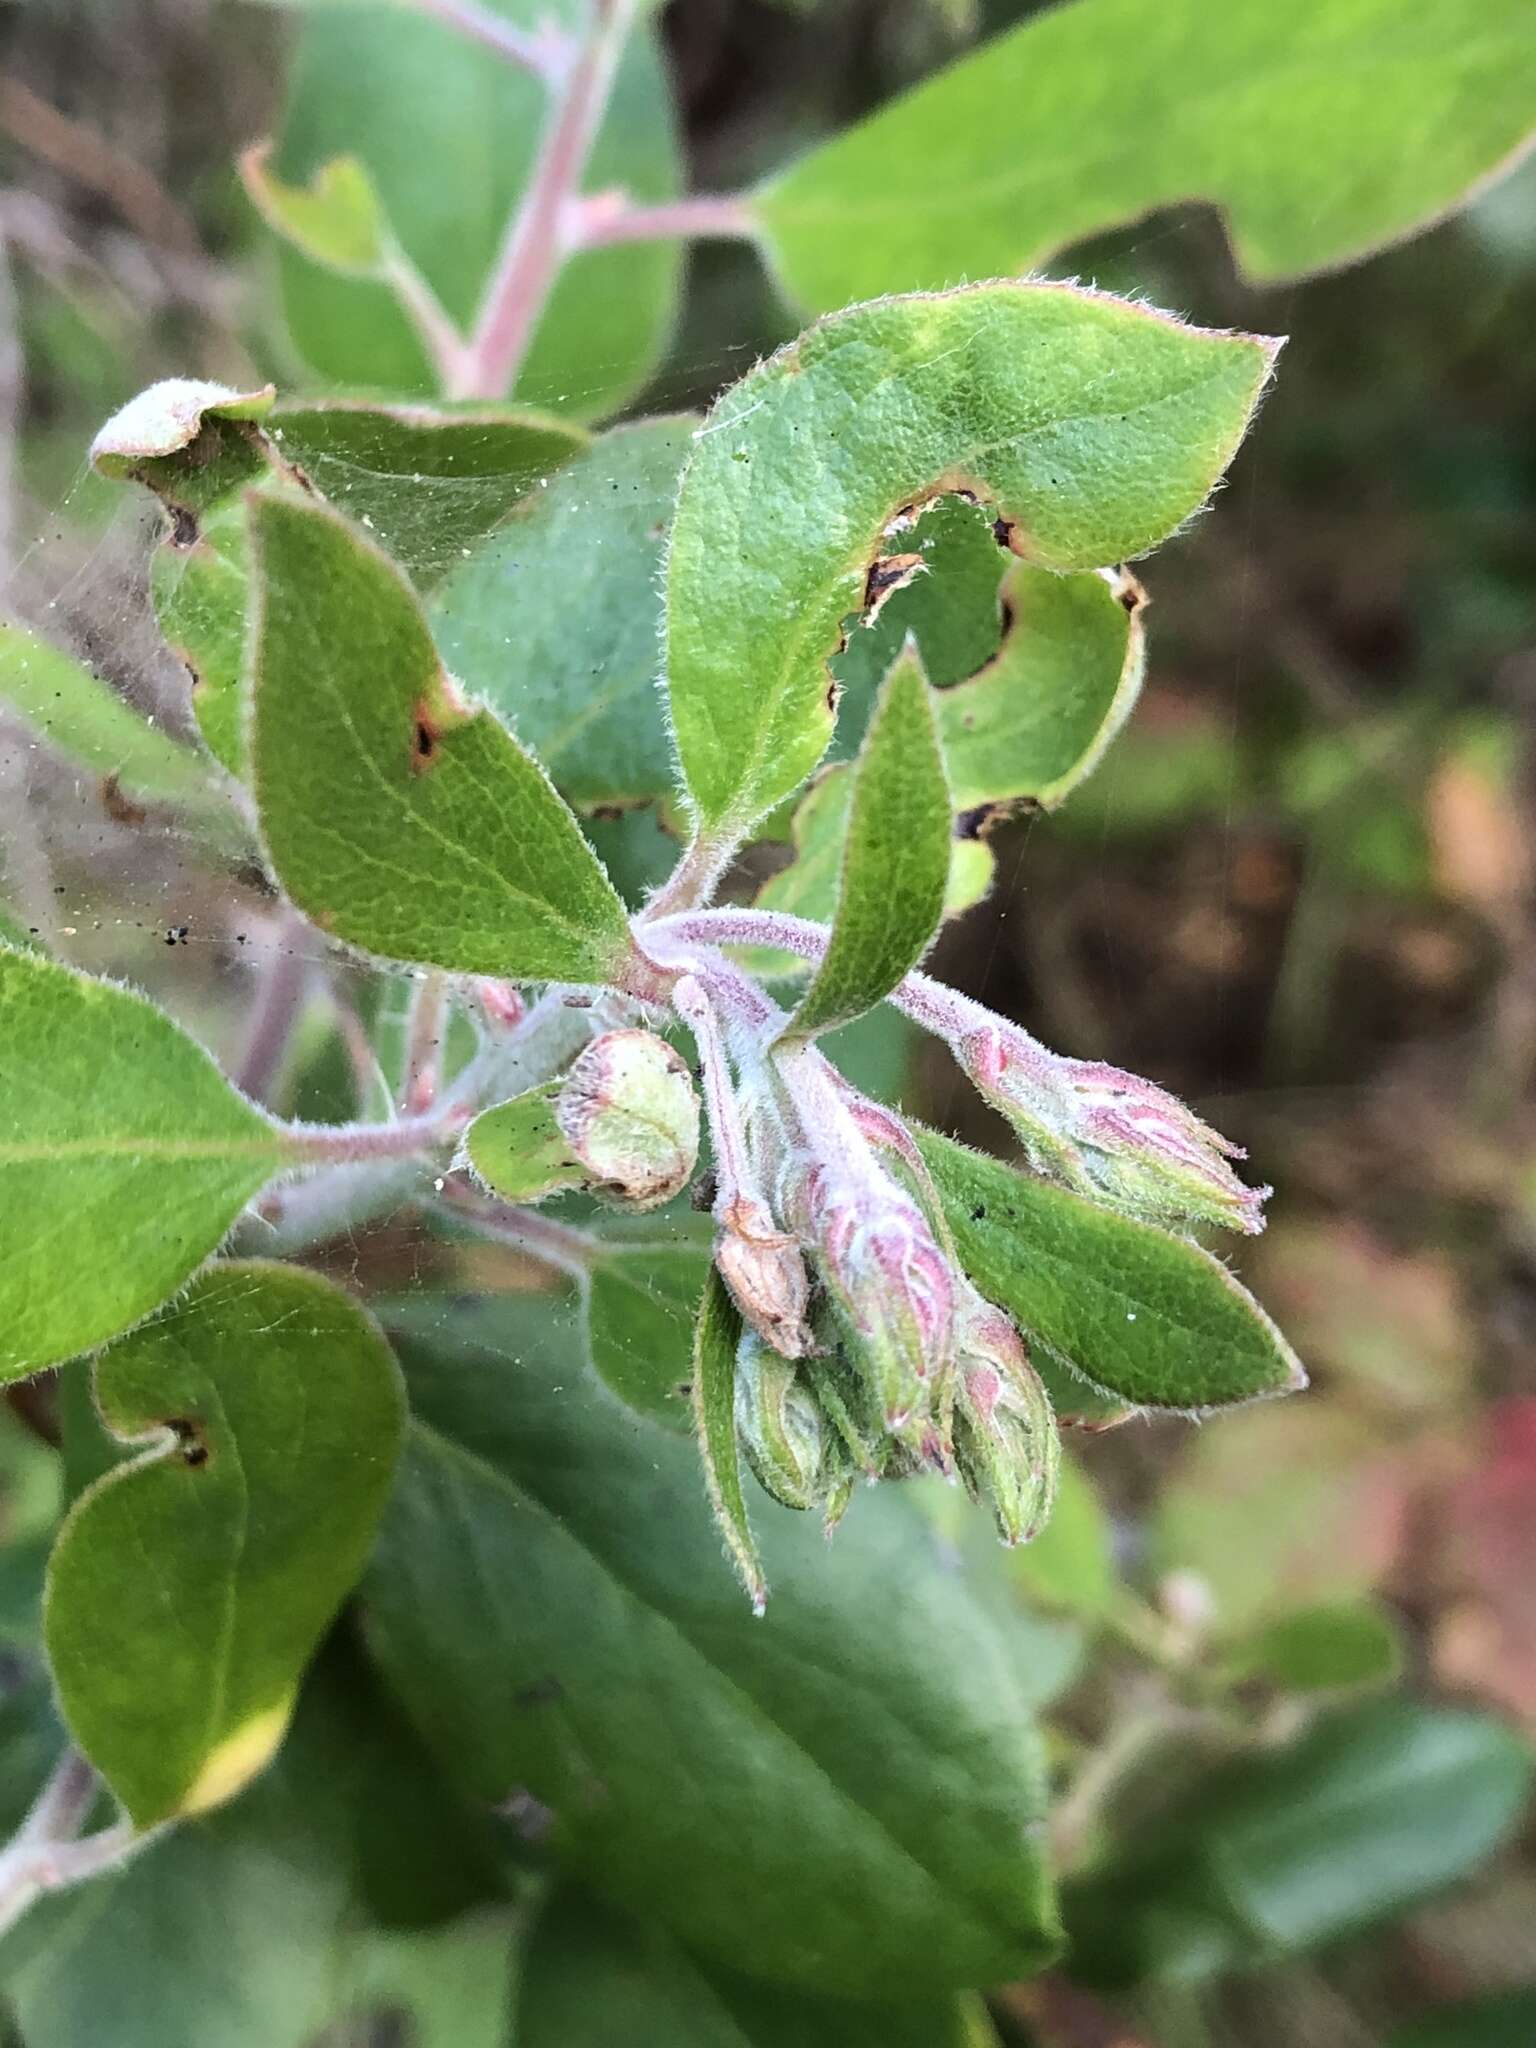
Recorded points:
1299,892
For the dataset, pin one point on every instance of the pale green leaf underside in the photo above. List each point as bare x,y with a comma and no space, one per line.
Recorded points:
188,1588
895,862
125,1156
1323,130
1151,1319
1036,720
396,816
853,1775
1092,426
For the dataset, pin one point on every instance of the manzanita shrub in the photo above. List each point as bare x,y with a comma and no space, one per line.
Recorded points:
441,646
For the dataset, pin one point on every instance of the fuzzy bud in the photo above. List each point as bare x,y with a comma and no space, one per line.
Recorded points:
628,1110
1113,1136
765,1272
1006,1444
892,1286
795,1456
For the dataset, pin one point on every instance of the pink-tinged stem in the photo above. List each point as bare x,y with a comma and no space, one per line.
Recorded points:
347,1144
279,1004
733,1169
603,219
944,1011
569,1251
535,244
546,51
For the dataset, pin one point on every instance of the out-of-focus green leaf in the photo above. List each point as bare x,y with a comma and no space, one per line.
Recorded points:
1070,1565
125,1156
398,815
592,1977
1320,1649
554,620
1323,132
1370,1811
400,93
335,219
1504,2019
895,861
189,1586
86,720
200,588
841,1795
1091,426
1151,1319
247,1928
641,1300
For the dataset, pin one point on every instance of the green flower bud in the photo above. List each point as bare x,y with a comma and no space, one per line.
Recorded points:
629,1112
1006,1445
797,1458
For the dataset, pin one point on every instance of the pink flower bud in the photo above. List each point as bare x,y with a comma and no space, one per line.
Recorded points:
1112,1136
892,1286
501,1003
628,1110
1005,1440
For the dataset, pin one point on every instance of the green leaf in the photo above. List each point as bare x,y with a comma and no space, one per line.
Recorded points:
88,721
336,220
200,586
189,1587
519,1151
592,1977
1070,1565
247,1928
842,1795
1367,1813
808,887
1504,2019
1038,718
428,484
717,1338
1091,426
1320,1649
895,866
1322,132
1149,1318
641,1301
554,621
397,93
125,1156
397,815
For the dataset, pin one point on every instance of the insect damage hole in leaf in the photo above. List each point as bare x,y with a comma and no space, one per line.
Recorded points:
1094,428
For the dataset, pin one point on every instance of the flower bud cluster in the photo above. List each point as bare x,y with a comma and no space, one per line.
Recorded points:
865,1351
